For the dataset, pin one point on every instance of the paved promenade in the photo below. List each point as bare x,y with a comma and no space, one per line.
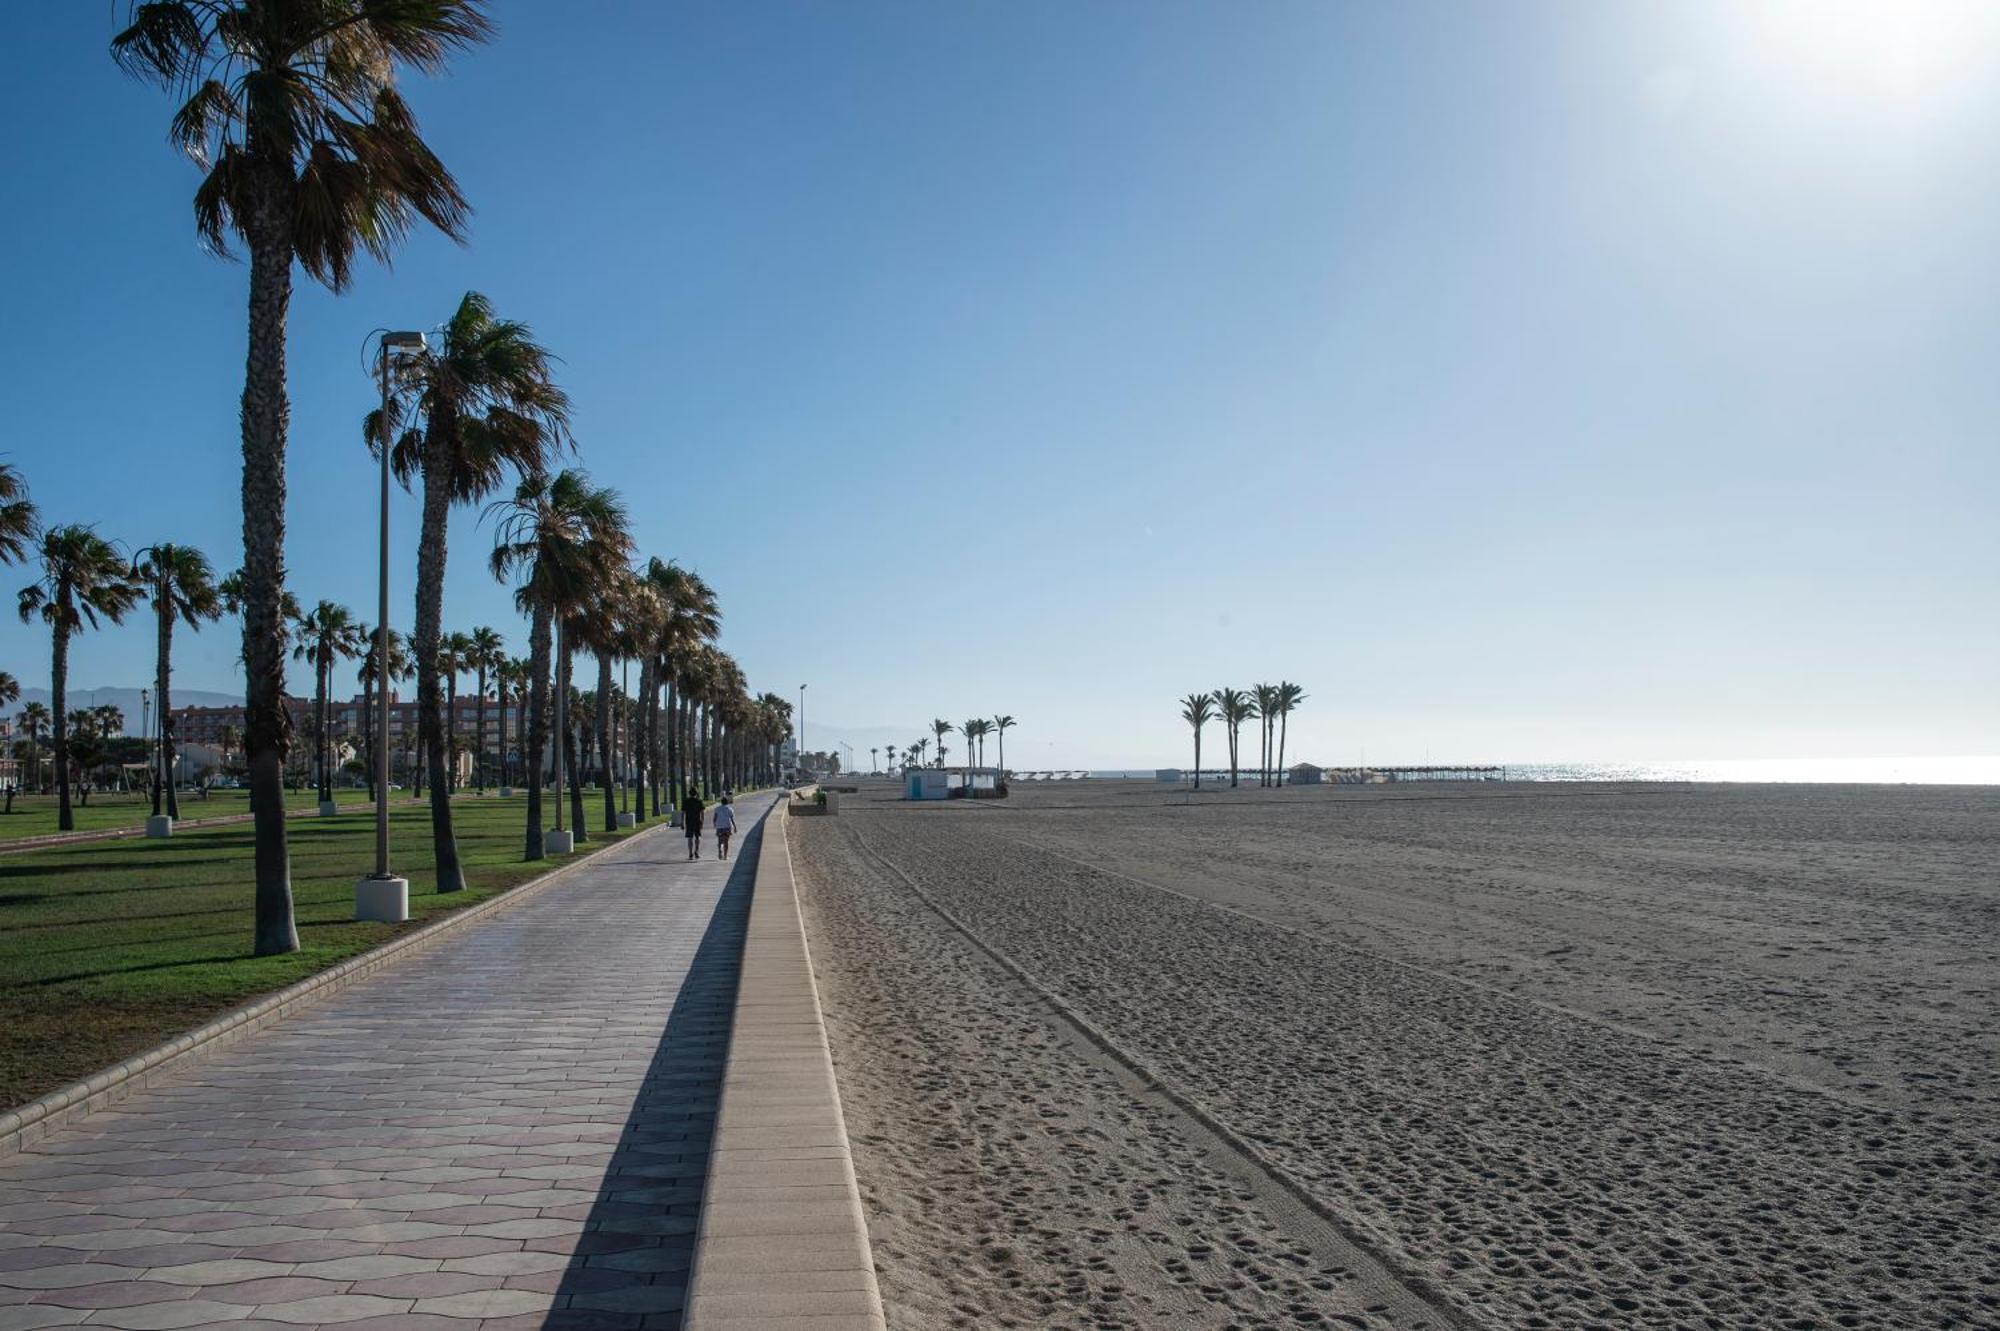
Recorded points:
509,1130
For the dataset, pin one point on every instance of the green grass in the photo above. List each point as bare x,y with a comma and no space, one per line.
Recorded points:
35,815
108,947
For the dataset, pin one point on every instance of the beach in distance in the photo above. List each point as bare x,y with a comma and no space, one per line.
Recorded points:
1453,1054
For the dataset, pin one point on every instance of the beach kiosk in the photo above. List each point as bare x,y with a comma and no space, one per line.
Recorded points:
954,783
1306,774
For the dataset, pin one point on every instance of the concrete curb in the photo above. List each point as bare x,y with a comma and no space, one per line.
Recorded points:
38,1118
782,1239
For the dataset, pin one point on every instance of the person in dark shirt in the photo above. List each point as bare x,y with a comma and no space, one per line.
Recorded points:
691,808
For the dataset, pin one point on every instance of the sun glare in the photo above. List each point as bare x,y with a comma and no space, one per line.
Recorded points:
1897,50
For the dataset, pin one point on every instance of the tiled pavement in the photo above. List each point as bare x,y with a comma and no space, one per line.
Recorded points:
508,1130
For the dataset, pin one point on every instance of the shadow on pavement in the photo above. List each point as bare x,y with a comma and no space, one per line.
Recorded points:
631,1263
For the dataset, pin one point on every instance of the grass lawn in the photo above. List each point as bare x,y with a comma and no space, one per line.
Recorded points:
35,815
107,948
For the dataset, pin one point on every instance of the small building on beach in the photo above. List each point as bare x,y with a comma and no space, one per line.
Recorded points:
1306,774
1172,775
954,783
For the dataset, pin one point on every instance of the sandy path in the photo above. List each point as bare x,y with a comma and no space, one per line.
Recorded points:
1596,1151
1017,1176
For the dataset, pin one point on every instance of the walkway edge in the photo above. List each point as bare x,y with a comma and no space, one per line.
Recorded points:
32,1121
782,1240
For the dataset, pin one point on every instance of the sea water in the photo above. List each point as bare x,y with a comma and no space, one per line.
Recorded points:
1976,770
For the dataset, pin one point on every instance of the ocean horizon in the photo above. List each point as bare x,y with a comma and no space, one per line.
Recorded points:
1973,770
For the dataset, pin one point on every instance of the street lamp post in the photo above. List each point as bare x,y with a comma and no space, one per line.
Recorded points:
382,895
802,730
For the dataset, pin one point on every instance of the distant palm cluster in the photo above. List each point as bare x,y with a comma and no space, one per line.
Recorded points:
918,752
1269,704
309,155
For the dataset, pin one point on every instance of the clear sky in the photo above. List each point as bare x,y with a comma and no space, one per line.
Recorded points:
1540,380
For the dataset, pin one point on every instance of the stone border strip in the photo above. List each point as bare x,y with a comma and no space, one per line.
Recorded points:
783,1242
38,1118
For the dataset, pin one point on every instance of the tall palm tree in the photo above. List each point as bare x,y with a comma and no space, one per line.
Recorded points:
181,585
489,409
637,637
10,689
454,659
690,617
889,757
603,633
371,678
514,675
35,720
1289,695
327,633
18,520
485,653
1235,707
1001,725
1198,709
941,728
557,535
1266,696
83,577
311,154
917,748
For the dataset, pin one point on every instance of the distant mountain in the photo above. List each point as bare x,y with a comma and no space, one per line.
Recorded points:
127,701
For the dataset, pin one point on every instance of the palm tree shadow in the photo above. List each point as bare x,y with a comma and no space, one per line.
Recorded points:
630,1267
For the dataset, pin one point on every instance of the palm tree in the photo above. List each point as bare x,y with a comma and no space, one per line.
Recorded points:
1235,707
311,154
18,520
1001,725
489,408
455,658
1197,709
35,720
513,689
181,585
889,757
557,534
1289,695
484,655
399,668
603,632
328,632
1266,696
918,748
690,617
941,729
83,577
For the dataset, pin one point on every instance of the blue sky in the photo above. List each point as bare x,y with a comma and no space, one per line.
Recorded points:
1528,381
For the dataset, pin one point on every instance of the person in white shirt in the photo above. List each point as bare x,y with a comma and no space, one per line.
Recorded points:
725,823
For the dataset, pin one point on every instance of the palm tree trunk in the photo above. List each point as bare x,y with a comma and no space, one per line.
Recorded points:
266,420
641,756
1197,757
674,782
479,733
538,729
604,703
429,628
59,691
323,661
566,730
1284,724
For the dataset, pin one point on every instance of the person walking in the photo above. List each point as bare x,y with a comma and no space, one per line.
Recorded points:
725,824
691,808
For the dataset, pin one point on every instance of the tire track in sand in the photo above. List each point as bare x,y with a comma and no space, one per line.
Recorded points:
1406,1296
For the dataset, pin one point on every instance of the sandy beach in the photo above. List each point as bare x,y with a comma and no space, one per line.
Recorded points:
1420,1056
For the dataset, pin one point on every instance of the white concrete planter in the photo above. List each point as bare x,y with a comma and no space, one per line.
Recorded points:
327,808
558,843
383,899
625,820
159,825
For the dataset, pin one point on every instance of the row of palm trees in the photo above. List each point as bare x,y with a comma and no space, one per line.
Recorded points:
567,545
975,731
1270,705
292,111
